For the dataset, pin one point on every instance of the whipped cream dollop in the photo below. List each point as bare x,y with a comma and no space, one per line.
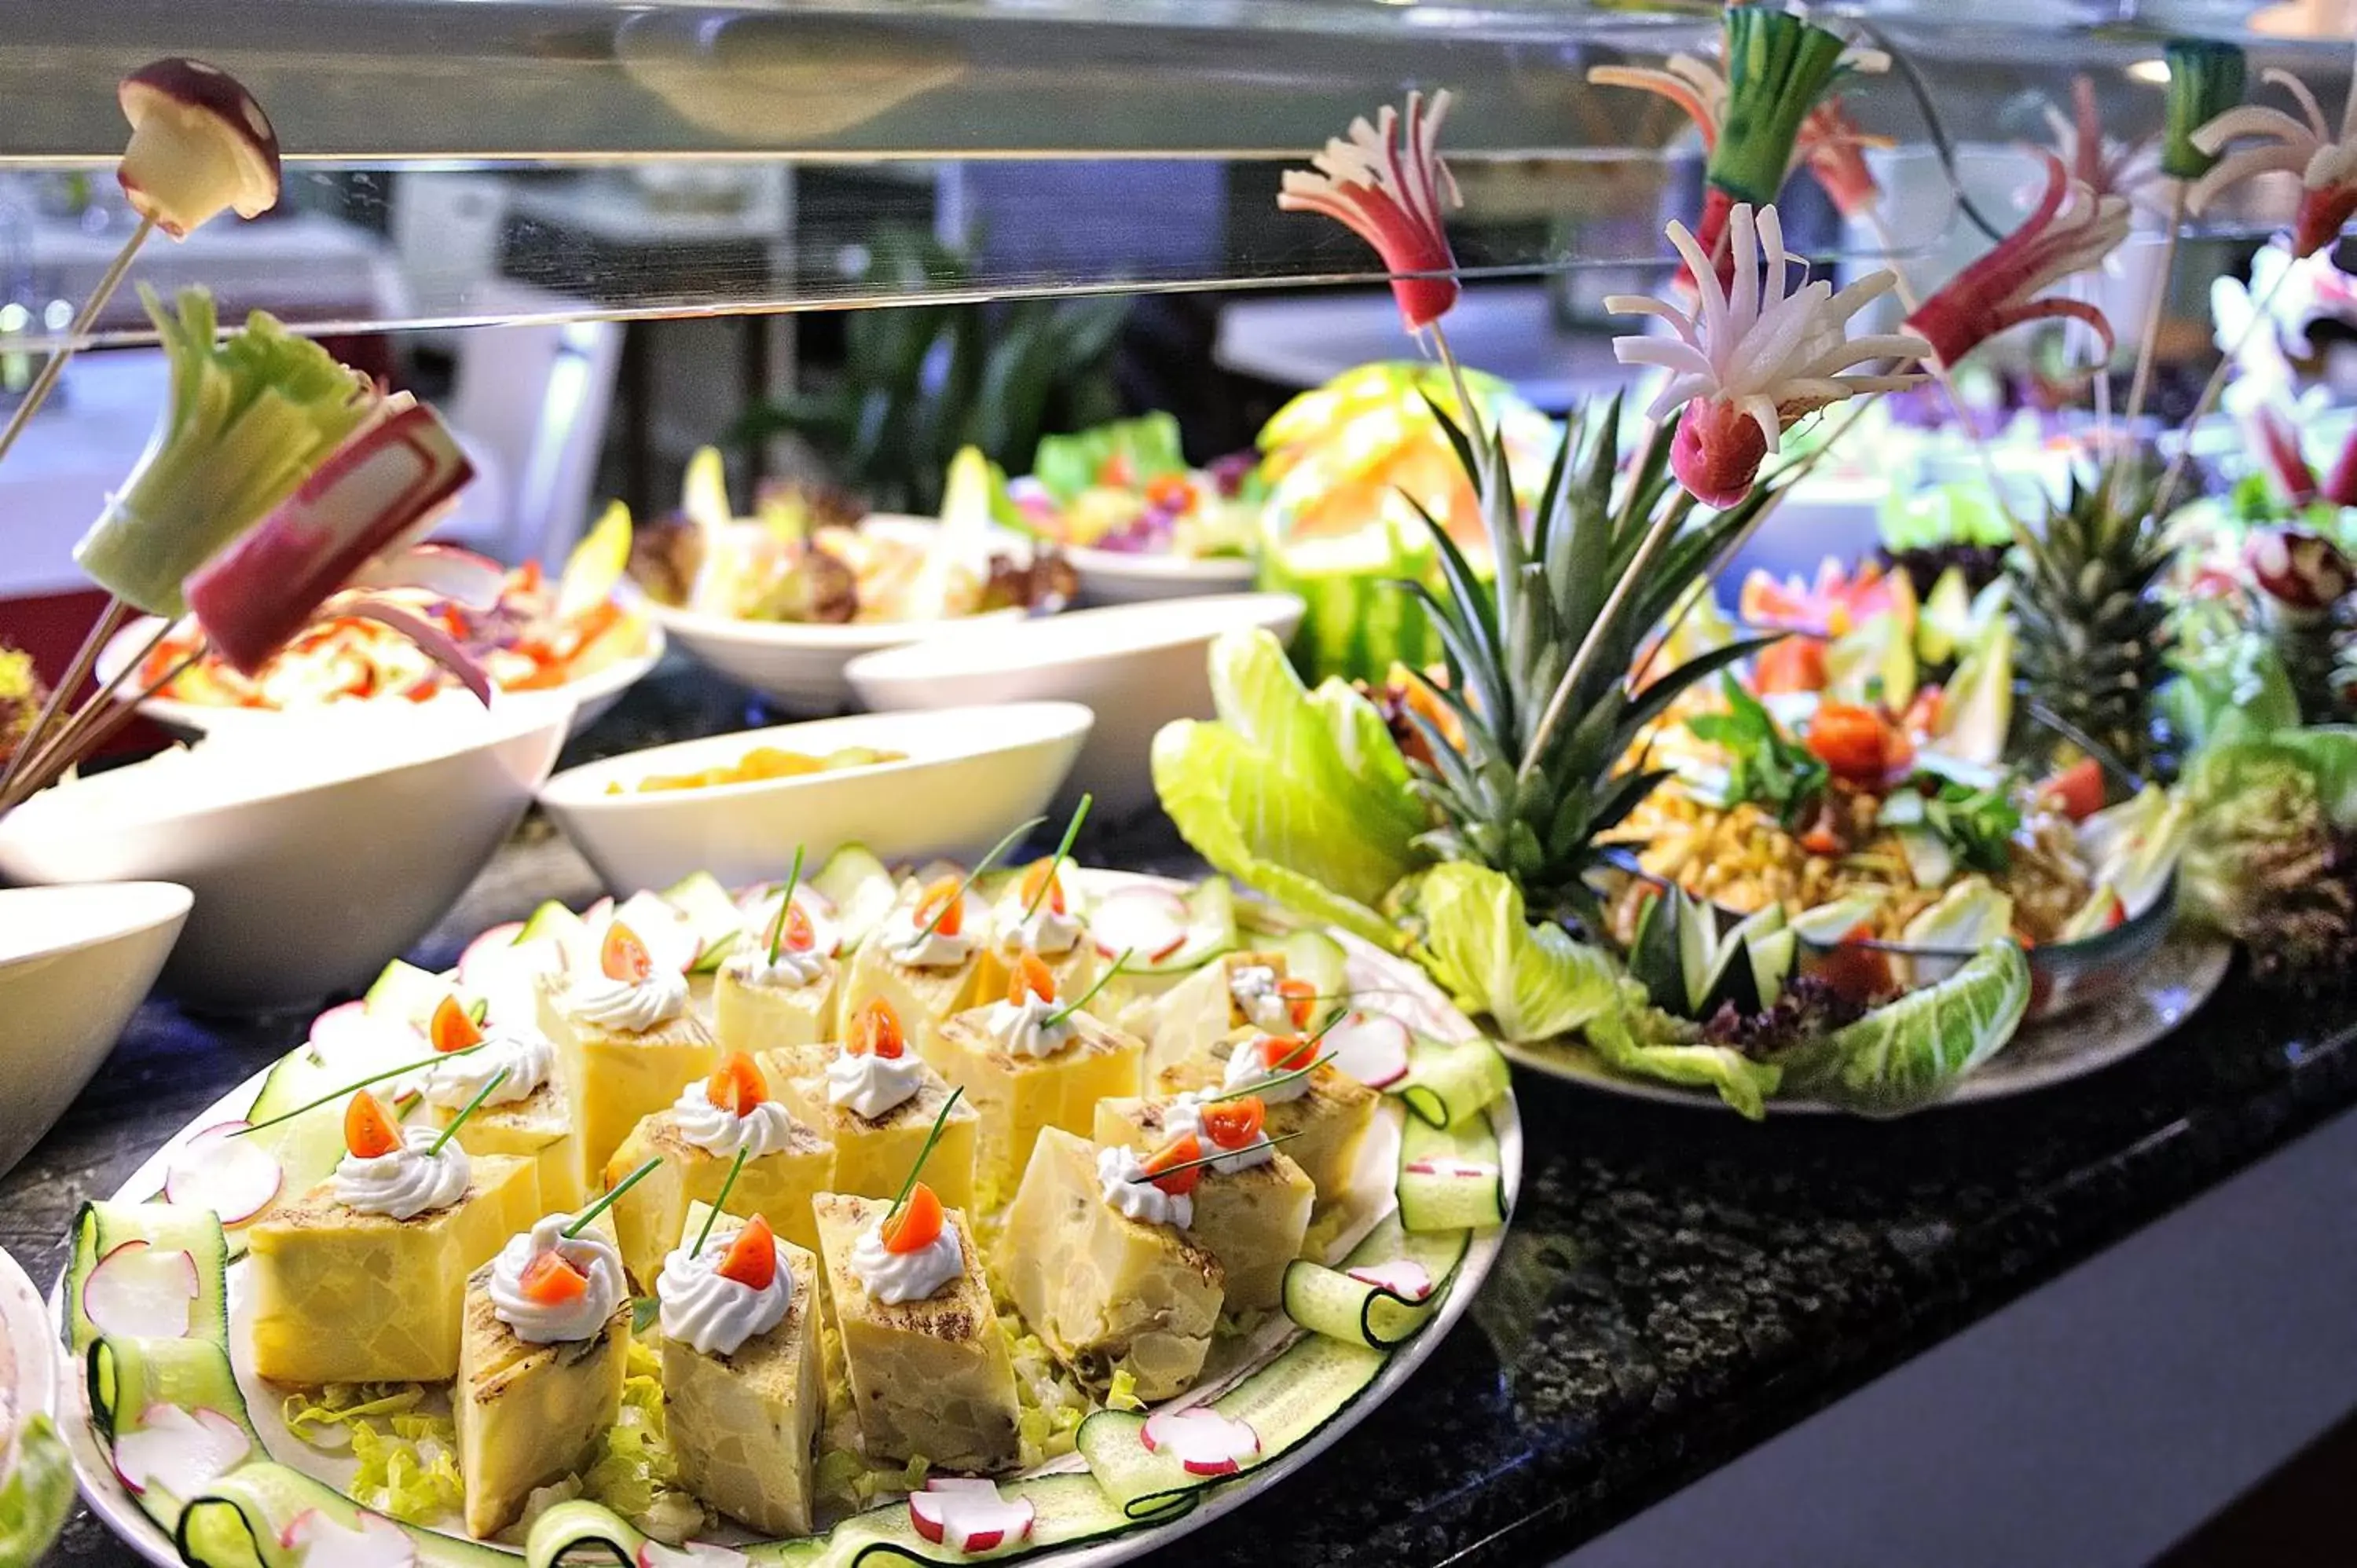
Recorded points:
1184,1114
1022,1028
1247,1068
704,1308
407,1182
906,942
1255,987
1046,929
764,1129
1120,1177
628,1006
871,1085
527,1058
792,969
545,1323
896,1277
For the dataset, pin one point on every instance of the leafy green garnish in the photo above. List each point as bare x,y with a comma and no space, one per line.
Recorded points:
1977,822
1909,1053
1533,981
1764,765
1641,1041
1125,455
37,1494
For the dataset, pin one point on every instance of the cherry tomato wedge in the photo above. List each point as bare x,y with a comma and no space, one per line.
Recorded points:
453,1027
1042,873
917,1225
622,956
752,1259
1232,1123
370,1131
2078,789
1300,1000
1029,977
876,1028
1180,1150
942,901
551,1280
1285,1053
799,935
1795,664
737,1087
1857,744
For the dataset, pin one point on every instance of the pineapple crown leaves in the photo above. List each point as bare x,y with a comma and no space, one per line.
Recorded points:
1558,635
2095,635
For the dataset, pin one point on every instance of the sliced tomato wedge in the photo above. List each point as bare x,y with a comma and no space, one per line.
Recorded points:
1029,977
622,956
1795,664
370,1131
1178,1150
737,1087
1043,873
551,1280
876,1028
752,1259
2077,790
453,1027
1232,1123
917,1225
1300,1000
1285,1053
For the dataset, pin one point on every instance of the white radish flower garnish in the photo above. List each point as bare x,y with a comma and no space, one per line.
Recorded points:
181,1452
1448,1165
1204,1442
1370,1047
1755,354
235,1177
969,1515
1148,923
317,1539
693,1554
1403,1277
142,1292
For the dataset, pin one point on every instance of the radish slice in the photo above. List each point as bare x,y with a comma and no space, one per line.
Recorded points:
140,1292
493,945
969,1515
1204,1442
351,1039
1370,1047
475,580
379,1543
1145,922
507,978
235,1177
668,936
694,1554
180,1451
1404,1278
1464,1170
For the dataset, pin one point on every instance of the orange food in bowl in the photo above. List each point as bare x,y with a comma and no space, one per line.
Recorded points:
762,763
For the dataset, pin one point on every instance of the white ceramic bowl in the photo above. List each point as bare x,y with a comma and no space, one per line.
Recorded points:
971,775
75,963
799,665
1137,667
1126,578
316,852
588,697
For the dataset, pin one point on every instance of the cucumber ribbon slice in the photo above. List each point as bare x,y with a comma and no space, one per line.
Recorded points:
1451,1179
267,1515
1447,1086
1384,1294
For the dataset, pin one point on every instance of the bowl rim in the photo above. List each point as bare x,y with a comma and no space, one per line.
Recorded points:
1159,565
581,788
171,901
983,652
515,723
847,636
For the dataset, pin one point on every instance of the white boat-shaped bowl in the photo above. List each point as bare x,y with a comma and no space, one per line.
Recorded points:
588,698
971,775
75,963
1137,667
1127,577
335,845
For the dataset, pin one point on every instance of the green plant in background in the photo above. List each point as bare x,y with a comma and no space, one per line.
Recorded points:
919,381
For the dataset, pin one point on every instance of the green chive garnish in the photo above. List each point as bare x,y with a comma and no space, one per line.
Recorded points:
725,1188
1071,832
606,1200
1060,1013
1275,1082
459,1121
923,1155
1209,1159
335,1095
981,866
778,931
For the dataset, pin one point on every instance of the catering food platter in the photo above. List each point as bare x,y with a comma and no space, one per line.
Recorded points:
192,1456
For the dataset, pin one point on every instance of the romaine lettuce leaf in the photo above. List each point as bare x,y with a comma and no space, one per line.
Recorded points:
1533,981
1641,1041
35,1497
1125,453
1905,1055
1302,796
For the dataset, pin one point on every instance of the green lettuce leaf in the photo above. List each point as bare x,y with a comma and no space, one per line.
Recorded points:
1147,447
1639,1039
1301,795
2238,674
37,1495
1533,982
1905,1055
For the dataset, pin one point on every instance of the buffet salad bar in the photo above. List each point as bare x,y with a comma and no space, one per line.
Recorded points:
865,1179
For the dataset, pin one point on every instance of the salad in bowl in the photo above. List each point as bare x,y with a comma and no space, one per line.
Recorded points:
1138,520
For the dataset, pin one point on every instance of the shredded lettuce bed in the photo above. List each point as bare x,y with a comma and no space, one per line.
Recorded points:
408,1459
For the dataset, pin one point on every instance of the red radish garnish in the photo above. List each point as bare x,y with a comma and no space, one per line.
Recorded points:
693,1554
377,1544
1204,1442
737,1087
444,571
370,1130
1029,977
1457,1169
752,1259
1232,1123
1145,922
969,1515
141,1291
452,1028
876,1028
1371,1047
553,1281
621,956
917,1225
942,907
235,1177
181,1452
1404,1278
1178,1150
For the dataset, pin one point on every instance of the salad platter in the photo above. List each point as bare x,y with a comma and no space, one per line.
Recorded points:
251,1384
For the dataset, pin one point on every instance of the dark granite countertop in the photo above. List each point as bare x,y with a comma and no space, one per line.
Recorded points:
1677,1285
